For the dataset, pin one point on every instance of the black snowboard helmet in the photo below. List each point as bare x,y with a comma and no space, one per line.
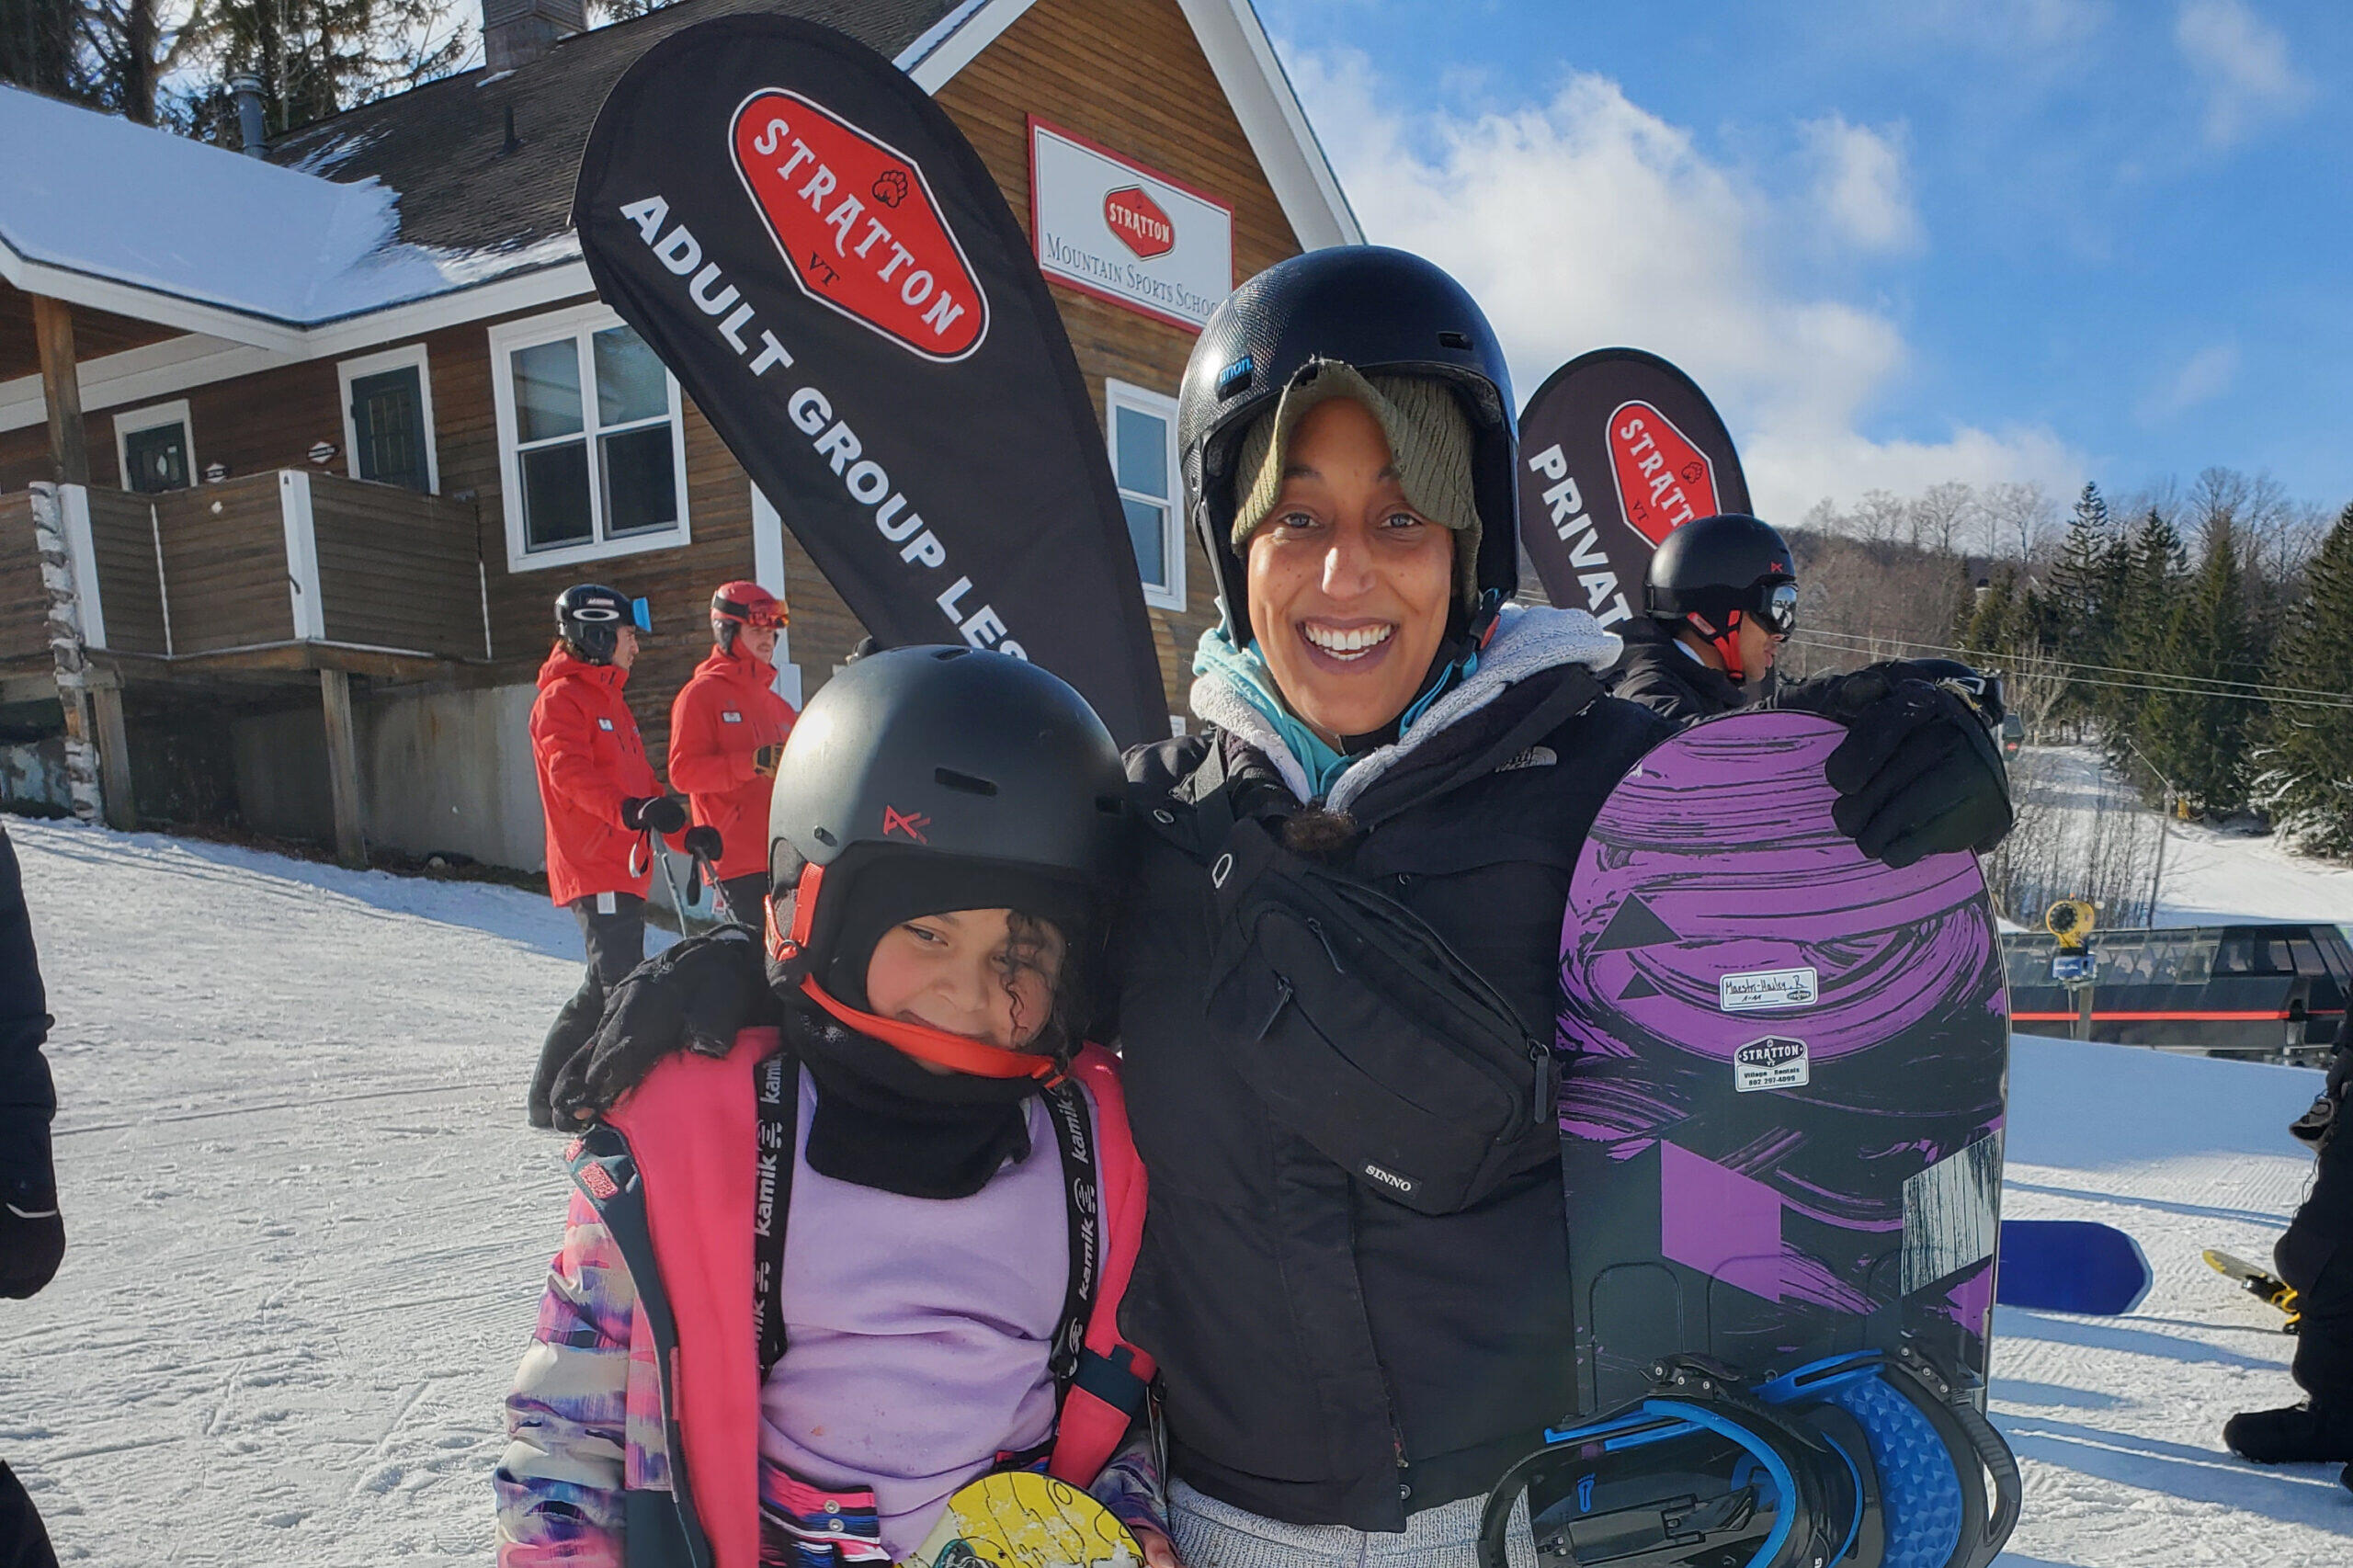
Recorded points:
1721,568
934,778
589,617
1383,312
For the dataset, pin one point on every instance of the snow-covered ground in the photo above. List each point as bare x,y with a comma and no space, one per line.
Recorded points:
308,1229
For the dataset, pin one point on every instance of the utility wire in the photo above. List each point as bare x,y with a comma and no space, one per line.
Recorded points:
2262,690
2157,686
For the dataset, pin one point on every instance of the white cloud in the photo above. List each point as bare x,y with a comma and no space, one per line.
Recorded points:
2203,376
2244,63
1859,185
1588,221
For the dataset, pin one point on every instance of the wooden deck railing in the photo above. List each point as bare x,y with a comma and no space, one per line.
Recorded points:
264,560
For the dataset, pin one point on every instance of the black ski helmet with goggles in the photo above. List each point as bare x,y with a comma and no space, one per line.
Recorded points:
1383,311
1720,569
589,617
974,770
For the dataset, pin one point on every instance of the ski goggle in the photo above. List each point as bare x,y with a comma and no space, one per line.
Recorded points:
759,616
1775,604
1861,1460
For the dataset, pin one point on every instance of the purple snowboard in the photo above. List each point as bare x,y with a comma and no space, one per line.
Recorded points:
1784,1067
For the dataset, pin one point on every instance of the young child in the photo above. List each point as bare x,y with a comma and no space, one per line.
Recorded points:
809,1291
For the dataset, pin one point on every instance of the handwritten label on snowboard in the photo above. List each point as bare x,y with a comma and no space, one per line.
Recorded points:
1765,989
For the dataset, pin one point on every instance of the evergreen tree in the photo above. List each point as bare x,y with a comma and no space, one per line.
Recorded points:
2078,614
2196,734
2306,782
316,58
2148,568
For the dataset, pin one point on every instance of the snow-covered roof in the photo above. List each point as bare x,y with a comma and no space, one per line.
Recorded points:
146,223
465,181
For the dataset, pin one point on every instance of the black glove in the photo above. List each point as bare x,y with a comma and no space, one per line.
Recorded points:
32,1234
693,996
766,760
1918,773
2313,1126
703,839
656,813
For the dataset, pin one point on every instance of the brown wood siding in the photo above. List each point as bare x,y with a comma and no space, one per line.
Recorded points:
396,568
122,537
24,601
1128,74
224,564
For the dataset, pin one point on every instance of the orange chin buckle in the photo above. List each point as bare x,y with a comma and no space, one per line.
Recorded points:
953,1051
786,946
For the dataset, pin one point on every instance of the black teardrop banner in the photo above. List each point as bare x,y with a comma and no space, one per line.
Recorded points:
1615,449
813,249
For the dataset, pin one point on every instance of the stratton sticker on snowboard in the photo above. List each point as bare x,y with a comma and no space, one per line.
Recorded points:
1021,1519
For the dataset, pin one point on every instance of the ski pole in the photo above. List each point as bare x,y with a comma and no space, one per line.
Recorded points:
720,902
677,894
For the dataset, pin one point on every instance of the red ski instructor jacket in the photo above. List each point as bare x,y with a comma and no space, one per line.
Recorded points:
723,715
585,749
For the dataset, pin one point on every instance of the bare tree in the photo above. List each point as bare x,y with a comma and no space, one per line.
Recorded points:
1940,514
2018,514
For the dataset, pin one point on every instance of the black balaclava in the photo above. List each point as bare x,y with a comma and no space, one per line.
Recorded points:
883,1120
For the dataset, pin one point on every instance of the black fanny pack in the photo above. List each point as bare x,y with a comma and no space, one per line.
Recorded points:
1364,1033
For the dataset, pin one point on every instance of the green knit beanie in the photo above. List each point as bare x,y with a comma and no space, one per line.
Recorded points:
1430,445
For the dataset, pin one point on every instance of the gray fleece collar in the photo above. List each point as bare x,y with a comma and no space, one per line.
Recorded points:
1528,641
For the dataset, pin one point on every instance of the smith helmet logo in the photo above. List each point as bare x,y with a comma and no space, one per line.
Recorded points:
1142,224
1662,480
858,223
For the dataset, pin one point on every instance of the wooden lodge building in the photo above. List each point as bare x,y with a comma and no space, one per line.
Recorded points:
294,450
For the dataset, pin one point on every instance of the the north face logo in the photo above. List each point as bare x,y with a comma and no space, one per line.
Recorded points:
1664,480
1142,224
859,225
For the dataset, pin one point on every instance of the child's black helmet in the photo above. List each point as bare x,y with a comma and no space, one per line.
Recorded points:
958,758
1385,312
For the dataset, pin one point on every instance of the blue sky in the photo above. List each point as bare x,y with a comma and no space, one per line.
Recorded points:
1898,242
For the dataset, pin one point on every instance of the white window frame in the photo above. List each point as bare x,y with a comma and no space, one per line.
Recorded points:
154,416
581,322
1119,395
349,371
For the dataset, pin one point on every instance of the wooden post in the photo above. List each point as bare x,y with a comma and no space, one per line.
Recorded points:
114,754
343,768
61,385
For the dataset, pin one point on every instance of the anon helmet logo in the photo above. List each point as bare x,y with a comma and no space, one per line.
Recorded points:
858,225
1142,224
912,823
1663,479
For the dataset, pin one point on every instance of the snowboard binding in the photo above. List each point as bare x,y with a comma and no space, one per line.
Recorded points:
1859,1461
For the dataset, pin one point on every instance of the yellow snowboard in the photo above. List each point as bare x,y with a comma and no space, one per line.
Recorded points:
1022,1519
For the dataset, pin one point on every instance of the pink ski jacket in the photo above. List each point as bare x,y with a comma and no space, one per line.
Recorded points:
634,1427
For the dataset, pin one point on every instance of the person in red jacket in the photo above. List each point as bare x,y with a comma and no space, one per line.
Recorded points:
602,803
727,729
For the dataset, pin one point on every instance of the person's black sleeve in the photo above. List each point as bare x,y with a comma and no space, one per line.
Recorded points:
694,995
32,1234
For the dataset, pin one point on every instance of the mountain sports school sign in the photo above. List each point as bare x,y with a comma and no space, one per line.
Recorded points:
824,262
1110,227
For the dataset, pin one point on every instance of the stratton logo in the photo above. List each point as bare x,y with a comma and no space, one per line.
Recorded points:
1662,479
859,225
1773,1063
1143,225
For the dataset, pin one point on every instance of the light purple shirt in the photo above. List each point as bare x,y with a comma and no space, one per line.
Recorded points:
917,1331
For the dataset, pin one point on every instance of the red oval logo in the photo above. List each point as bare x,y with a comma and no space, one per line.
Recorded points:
859,225
1142,224
1662,479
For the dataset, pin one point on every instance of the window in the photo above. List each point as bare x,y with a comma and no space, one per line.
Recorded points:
152,448
591,445
387,419
1143,459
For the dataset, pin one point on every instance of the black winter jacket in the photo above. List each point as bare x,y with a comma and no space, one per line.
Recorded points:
1331,1357
1658,672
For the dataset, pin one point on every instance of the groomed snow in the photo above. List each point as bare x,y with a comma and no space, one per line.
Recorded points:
308,1229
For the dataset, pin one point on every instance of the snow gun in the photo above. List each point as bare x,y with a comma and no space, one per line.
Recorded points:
1860,1461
